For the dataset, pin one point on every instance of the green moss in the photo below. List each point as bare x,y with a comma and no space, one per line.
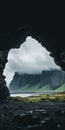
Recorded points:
61,89
43,97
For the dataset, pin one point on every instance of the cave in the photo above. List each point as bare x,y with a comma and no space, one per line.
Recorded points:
48,40
45,22
43,25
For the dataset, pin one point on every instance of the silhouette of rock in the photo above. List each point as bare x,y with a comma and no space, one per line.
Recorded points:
4,92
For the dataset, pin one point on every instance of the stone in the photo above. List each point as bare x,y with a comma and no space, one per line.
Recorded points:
22,119
60,113
4,92
41,112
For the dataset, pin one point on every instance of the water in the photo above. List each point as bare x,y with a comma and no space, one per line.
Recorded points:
24,95
27,94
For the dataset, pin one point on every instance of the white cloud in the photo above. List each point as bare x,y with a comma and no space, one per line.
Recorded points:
31,57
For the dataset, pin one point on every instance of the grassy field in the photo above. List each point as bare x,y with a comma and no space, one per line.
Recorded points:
42,97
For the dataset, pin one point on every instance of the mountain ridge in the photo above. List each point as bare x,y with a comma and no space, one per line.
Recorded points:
46,81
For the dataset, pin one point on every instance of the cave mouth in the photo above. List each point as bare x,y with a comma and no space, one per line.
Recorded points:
32,61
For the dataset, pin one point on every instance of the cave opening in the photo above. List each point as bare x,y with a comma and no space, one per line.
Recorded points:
31,69
45,24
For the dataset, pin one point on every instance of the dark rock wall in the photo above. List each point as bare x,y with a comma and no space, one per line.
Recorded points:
44,22
4,92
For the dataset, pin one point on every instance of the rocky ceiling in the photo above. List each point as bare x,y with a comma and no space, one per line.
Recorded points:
44,23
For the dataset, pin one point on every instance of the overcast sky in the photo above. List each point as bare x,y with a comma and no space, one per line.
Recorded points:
31,57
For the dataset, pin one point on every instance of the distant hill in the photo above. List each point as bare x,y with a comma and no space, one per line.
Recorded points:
48,81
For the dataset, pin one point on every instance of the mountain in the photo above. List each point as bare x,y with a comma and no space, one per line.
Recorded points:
53,80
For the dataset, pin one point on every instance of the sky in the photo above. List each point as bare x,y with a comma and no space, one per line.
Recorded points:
30,58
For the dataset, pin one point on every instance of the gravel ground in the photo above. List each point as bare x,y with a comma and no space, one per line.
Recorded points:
43,115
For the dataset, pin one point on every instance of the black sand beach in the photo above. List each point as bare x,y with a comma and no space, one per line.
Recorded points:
22,115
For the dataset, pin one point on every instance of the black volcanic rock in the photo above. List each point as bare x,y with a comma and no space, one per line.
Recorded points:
55,78
4,92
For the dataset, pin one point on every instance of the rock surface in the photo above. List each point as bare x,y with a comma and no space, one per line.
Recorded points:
42,115
4,92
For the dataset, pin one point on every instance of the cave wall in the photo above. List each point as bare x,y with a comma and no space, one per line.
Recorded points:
13,39
4,92
44,22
